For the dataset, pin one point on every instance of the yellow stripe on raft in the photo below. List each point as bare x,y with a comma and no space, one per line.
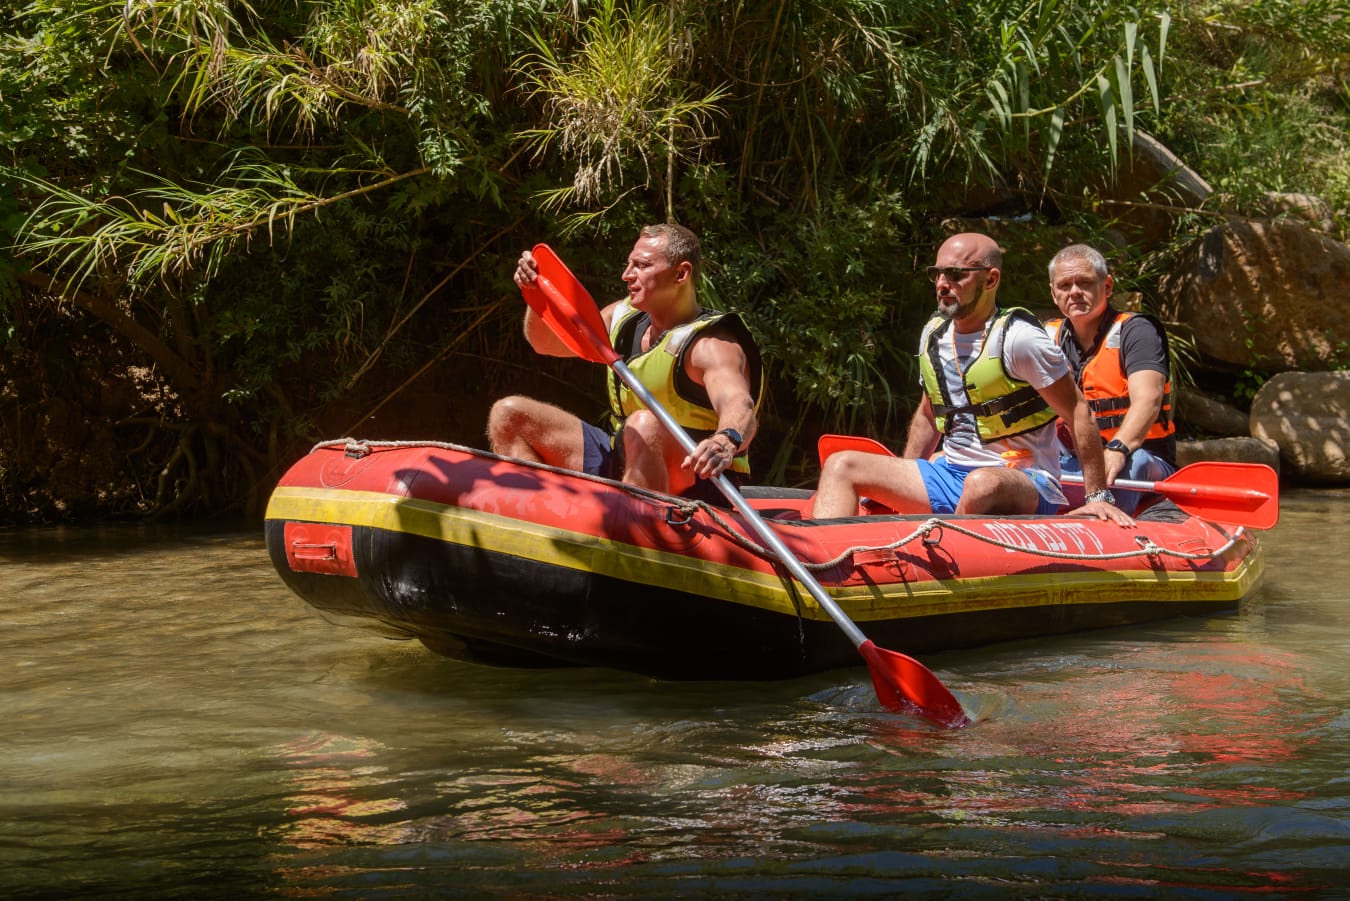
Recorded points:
555,546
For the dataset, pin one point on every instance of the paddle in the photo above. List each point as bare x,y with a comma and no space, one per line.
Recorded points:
901,683
1243,494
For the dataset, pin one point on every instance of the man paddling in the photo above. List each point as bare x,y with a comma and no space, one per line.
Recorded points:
702,366
993,385
1120,362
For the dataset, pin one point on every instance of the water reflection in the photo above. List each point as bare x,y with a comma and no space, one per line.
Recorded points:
178,720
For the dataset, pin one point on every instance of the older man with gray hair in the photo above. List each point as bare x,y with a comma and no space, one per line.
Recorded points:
1120,361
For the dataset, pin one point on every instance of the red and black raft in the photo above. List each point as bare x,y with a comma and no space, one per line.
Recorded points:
491,559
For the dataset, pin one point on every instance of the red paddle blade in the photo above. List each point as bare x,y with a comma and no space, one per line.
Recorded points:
905,685
833,444
566,307
1243,493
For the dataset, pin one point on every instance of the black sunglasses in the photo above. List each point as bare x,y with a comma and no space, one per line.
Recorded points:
954,274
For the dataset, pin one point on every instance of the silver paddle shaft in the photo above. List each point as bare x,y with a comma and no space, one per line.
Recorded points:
751,515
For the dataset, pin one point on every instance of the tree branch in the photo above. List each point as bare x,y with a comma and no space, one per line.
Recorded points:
178,370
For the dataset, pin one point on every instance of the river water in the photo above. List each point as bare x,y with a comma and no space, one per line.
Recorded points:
178,725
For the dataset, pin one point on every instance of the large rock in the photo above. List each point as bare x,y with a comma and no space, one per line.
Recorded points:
1229,450
1305,207
1267,294
1308,415
1149,190
1208,415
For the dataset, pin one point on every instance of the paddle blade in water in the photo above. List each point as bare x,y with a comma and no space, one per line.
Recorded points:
562,301
905,685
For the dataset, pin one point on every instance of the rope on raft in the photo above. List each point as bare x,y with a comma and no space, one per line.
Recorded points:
687,508
1147,547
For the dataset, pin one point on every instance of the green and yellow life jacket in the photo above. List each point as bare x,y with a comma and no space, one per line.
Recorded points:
661,370
1003,406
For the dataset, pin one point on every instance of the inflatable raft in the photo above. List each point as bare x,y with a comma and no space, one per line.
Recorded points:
495,560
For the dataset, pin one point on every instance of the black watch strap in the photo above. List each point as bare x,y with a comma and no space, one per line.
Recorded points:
735,437
1115,444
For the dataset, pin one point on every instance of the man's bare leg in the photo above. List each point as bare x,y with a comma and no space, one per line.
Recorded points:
530,429
652,455
999,491
847,475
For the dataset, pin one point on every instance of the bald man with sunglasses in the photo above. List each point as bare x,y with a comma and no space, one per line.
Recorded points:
994,385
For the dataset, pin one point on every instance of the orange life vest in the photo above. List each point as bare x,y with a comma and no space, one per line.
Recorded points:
1105,385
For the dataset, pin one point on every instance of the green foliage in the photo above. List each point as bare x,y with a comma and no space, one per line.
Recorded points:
822,304
1260,101
616,107
282,209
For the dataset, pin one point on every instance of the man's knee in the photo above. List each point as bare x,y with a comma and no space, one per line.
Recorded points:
1147,467
645,437
836,469
998,490
644,426
516,421
505,416
983,482
507,408
505,424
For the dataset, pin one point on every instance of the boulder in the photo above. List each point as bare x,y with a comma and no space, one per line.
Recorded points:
1305,207
1229,450
1270,295
1150,189
1307,414
1209,416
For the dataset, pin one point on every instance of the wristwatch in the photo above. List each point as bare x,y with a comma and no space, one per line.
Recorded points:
735,437
1120,447
1105,494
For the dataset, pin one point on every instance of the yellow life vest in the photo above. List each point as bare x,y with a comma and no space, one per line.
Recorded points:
661,370
1003,406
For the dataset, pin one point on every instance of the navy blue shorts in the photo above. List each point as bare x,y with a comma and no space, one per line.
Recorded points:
598,458
597,452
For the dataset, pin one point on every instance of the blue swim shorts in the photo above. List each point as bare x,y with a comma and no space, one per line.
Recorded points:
944,482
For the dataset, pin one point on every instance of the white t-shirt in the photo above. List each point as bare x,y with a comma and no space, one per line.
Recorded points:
1030,356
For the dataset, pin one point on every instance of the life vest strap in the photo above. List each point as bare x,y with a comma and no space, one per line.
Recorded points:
1119,406
1012,406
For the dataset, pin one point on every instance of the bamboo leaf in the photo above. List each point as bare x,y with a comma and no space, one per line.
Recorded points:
1024,99
1000,102
1164,22
1052,139
1030,54
1126,95
1150,76
1107,98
